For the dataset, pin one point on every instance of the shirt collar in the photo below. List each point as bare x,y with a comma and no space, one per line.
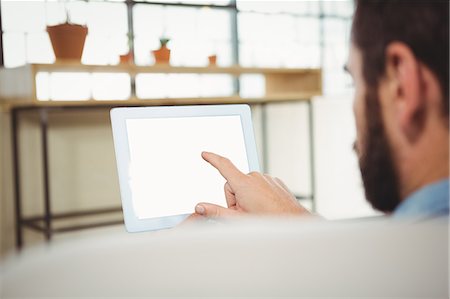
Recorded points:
428,202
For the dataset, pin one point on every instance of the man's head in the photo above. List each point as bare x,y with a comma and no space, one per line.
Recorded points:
399,61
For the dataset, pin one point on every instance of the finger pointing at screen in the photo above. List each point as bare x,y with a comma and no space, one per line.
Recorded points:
252,193
225,167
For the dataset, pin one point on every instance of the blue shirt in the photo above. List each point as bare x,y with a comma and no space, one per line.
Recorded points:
428,202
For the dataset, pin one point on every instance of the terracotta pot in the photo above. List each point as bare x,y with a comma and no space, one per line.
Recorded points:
162,55
212,60
126,58
67,40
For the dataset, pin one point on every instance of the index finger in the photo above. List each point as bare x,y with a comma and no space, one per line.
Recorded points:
224,166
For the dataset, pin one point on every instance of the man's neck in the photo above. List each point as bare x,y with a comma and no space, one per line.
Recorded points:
426,162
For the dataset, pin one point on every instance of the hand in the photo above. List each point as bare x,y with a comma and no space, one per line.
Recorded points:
252,193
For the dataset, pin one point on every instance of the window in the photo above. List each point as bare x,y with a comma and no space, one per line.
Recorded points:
270,33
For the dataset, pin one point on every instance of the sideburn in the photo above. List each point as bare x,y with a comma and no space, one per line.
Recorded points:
376,163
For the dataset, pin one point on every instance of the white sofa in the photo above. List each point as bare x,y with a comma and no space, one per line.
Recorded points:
253,257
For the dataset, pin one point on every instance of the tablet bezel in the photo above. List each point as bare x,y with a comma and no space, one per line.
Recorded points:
120,137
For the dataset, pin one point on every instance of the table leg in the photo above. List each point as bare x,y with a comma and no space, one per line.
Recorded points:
311,156
45,166
16,174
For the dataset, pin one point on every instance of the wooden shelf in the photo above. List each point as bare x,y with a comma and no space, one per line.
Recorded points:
18,85
161,101
73,66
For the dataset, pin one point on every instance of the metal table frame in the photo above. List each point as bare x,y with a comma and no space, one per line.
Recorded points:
44,223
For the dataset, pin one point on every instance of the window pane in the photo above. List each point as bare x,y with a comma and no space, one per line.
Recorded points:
187,85
151,86
195,34
307,30
103,49
23,16
343,8
39,48
148,21
82,86
107,18
251,26
111,86
252,86
336,31
70,86
43,86
301,56
261,54
216,85
180,22
14,49
263,45
161,85
214,24
63,86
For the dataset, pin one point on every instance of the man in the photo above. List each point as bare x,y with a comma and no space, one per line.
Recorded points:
399,64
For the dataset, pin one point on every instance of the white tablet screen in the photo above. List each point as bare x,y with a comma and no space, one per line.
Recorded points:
167,173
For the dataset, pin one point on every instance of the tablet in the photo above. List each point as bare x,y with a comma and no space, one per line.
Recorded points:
162,175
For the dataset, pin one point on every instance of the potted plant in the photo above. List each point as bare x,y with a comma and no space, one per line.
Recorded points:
67,39
128,57
162,55
212,60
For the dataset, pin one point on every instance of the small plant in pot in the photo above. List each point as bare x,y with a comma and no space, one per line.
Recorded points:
162,55
212,60
128,57
67,40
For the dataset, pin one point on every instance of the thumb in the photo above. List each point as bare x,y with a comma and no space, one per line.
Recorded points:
214,211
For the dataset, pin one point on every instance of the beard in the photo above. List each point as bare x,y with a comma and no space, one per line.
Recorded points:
376,163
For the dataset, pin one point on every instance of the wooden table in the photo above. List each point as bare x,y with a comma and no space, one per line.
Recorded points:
18,93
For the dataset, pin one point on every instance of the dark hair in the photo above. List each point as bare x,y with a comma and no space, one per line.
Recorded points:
422,25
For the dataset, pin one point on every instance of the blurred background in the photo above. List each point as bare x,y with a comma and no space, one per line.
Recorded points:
257,34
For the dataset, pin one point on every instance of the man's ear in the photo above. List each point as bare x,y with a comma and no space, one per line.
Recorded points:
405,85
